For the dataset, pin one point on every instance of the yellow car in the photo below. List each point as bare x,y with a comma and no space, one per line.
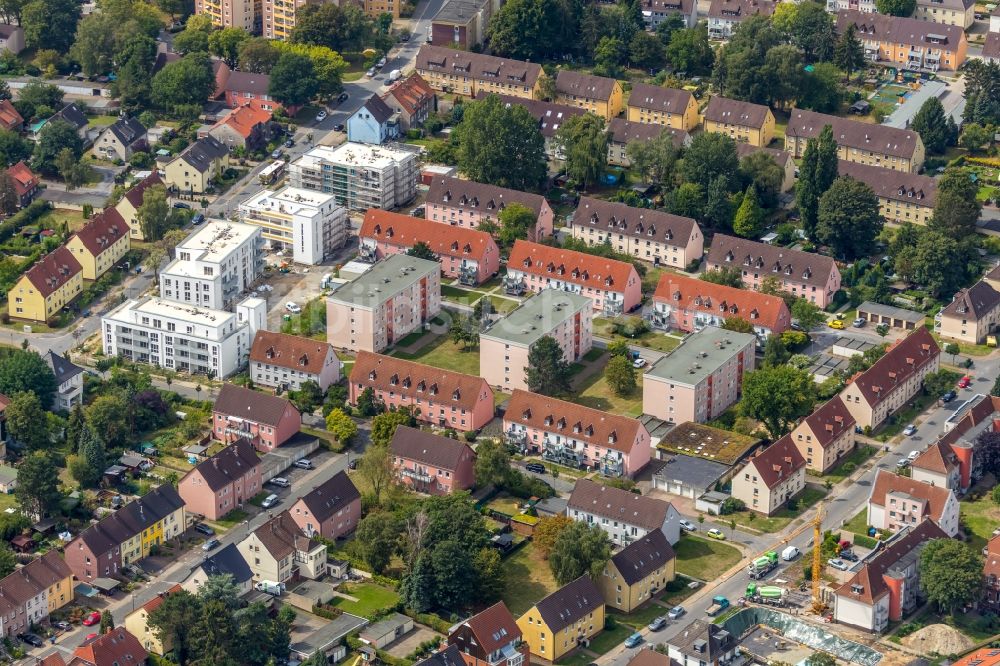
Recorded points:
836,323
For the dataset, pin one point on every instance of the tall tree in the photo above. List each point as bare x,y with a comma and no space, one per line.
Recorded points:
91,450
580,549
584,145
710,156
951,574
956,208
50,24
37,487
547,372
896,7
849,54
500,145
689,50
378,536
384,425
25,370
849,218
620,376
26,421
816,175
516,223
492,464
760,170
183,86
812,31
932,126
530,29
718,208
53,138
821,88
749,219
153,213
293,80
777,397
226,44
259,55
375,466
547,532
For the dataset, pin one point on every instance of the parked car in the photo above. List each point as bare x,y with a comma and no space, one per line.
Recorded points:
639,363
838,563
321,116
269,501
836,324
964,382
280,481
902,464
909,430
181,204
676,612
92,618
90,637
303,463
31,639
716,533
293,307
913,455
370,73
289,143
848,555
537,468
657,624
62,624
342,98
635,640
353,464
339,127
858,323
202,528
381,63
210,544
197,219
949,396
276,153
688,526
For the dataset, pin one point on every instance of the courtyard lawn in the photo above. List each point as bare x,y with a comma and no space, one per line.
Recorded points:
656,340
905,416
640,618
780,519
502,305
858,524
53,219
609,639
596,393
849,464
461,296
980,515
704,559
677,591
372,599
445,354
231,519
577,658
528,579
504,503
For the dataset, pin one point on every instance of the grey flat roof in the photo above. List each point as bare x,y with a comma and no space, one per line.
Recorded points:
459,11
386,278
854,344
891,311
696,473
700,355
330,632
536,317
827,364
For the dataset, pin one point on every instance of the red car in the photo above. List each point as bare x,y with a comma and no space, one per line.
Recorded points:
90,637
964,382
92,619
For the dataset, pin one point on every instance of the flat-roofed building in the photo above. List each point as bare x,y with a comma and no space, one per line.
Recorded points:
742,121
662,106
461,24
359,175
701,378
891,316
865,143
385,304
504,346
309,223
902,196
466,73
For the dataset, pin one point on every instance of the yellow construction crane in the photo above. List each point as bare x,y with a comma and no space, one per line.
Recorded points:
817,568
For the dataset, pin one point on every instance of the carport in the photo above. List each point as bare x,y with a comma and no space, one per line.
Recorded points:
106,585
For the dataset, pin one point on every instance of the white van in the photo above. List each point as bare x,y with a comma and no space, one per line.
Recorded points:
790,553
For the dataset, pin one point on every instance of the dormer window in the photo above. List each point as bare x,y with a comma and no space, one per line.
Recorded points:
421,386
561,423
526,415
548,420
613,437
729,256
589,431
394,380
371,376
456,394
434,389
378,229
406,382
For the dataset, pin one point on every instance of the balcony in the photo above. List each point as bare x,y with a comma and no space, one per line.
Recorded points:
367,254
660,320
613,308
468,275
612,465
416,475
515,438
514,286
561,454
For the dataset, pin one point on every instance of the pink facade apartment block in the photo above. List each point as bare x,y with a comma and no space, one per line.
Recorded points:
396,297
330,510
470,256
811,276
614,286
222,482
466,203
266,420
575,435
439,397
432,464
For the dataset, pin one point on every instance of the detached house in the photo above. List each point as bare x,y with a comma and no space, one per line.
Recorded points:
702,643
431,464
250,89
651,235
563,621
116,648
25,183
874,145
490,638
973,314
121,139
129,205
825,436
638,572
576,436
657,105
226,561
375,123
246,127
625,516
771,478
195,169
598,94
47,287
412,100
725,16
100,244
222,482
278,551
466,203
959,13
283,361
330,510
266,420
897,501
742,121
10,119
655,12
69,380
137,624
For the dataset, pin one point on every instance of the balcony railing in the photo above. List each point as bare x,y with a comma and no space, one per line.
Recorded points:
414,474
514,286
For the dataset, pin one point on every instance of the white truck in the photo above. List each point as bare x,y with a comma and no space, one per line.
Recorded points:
395,75
270,587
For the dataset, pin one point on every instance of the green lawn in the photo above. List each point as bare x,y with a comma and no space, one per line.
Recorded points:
781,518
640,618
101,121
231,519
528,579
677,591
53,219
504,503
850,463
609,639
461,296
372,598
905,416
445,354
597,394
980,515
651,339
858,524
502,305
964,348
704,559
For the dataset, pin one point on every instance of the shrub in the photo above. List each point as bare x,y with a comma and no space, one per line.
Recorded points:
849,467
732,505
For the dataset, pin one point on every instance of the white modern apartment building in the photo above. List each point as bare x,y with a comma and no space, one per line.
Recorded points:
311,224
214,265
359,175
182,337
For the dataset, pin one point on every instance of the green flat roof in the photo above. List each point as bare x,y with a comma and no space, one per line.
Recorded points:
536,317
700,355
387,277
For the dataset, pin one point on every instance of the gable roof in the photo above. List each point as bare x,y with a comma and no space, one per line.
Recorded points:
569,603
281,537
244,120
580,84
24,180
115,648
550,115
901,30
9,117
643,557
250,82
231,463
642,223
62,368
810,268
158,600
477,66
138,191
647,656
252,405
854,133
53,271
658,98
892,184
984,656
589,425
468,194
735,112
443,239
627,131
410,92
227,561
618,504
102,231
494,627
290,351
739,10
900,361
428,448
331,496
780,157
687,293
127,130
571,266
378,109
202,153
991,566
386,373
981,408
72,115
938,457
449,656
778,462
716,641
131,519
978,301
991,49
27,582
829,421
934,497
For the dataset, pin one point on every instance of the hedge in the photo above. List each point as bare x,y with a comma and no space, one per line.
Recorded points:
865,541
23,218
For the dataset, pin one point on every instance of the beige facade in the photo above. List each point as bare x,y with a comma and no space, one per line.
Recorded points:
902,196
597,94
468,74
278,549
230,13
864,143
194,170
376,7
825,436
637,573
972,315
663,106
742,121
774,476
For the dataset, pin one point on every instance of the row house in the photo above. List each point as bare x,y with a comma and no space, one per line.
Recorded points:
466,203
939,466
689,304
972,315
491,637
47,287
771,478
893,380
825,436
441,398
279,552
887,587
100,244
622,132
267,421
600,95
613,286
466,73
286,362
504,347
468,255
865,143
651,235
702,643
566,619
385,304
127,535
549,115
908,43
431,464
743,122
249,89
902,196
330,510
802,274
655,12
223,481
638,572
412,100
30,593
701,378
657,105
576,436
899,501
625,516
725,16
461,24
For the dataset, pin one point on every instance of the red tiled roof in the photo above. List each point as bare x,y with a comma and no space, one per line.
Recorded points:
938,457
290,351
443,239
157,601
494,627
899,363
102,231
589,425
981,410
115,647
9,117
778,462
991,567
53,271
829,421
136,194
571,266
244,120
692,294
934,496
985,656
410,93
24,179
385,373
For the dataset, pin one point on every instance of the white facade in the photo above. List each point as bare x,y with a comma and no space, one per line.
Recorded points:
622,533
311,224
214,265
360,176
866,6
177,336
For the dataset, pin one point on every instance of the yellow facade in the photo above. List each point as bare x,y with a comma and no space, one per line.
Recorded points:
460,84
911,164
687,121
755,136
545,644
60,594
25,301
901,212
130,214
626,598
96,266
187,179
137,624
605,108
376,7
138,546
